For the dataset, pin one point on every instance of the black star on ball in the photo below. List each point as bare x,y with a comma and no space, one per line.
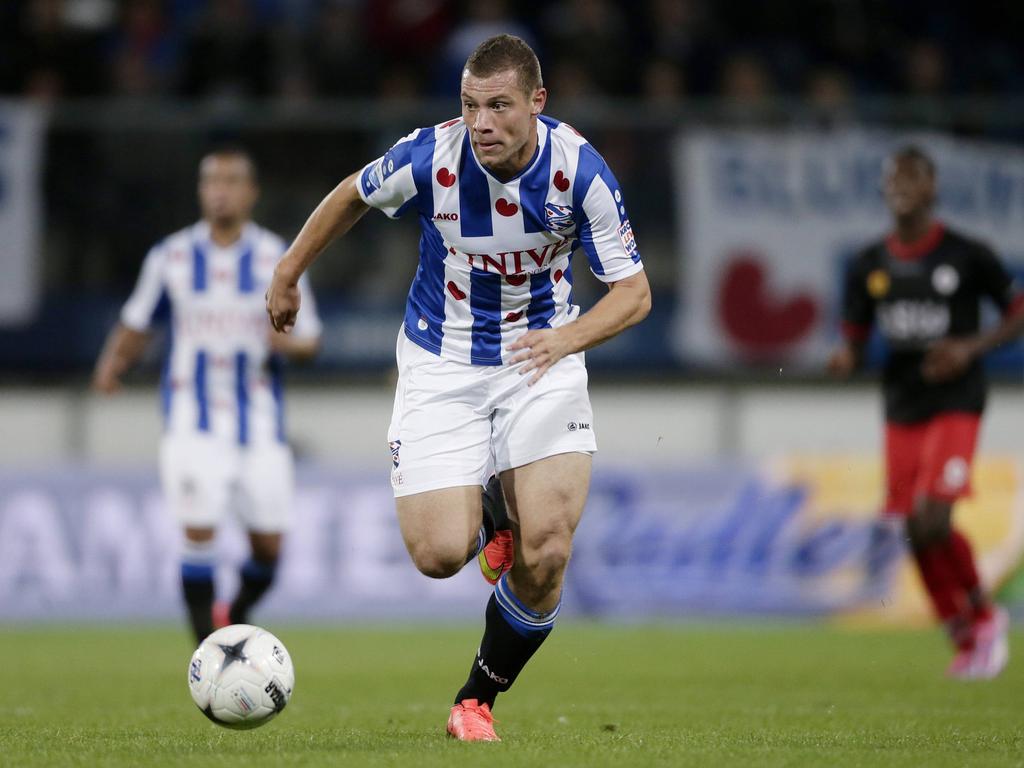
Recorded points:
233,653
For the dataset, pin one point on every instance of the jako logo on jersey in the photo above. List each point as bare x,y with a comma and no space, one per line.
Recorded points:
572,426
446,217
516,262
559,217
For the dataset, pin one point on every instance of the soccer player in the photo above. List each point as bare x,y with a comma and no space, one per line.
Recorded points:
490,358
923,286
224,443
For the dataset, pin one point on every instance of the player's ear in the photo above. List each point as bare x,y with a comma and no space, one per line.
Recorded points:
540,98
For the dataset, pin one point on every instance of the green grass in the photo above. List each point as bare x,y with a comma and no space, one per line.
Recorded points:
594,696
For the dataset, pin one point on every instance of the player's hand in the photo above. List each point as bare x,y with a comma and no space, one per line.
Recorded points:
538,350
283,299
842,362
105,380
946,359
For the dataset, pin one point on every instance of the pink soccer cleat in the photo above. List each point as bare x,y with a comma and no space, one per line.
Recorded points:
471,721
991,645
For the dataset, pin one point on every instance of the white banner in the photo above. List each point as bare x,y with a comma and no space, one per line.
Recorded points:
22,129
768,220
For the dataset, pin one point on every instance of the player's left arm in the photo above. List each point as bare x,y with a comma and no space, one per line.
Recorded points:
627,303
607,239
950,357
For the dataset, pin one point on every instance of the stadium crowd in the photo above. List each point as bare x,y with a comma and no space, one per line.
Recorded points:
663,50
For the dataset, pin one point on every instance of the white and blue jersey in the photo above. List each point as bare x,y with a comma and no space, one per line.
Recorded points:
495,255
219,377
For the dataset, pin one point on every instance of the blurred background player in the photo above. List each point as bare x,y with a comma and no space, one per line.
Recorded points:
224,445
491,371
923,286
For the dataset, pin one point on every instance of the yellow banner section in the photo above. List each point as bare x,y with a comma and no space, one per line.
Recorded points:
851,488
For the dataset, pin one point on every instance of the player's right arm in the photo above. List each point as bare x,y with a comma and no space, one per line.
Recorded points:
857,319
387,184
336,215
123,348
127,340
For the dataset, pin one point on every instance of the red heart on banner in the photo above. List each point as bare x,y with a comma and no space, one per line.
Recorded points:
561,183
513,316
558,275
505,208
454,290
761,322
445,177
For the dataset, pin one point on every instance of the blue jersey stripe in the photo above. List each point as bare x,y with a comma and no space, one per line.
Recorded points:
165,377
542,301
242,396
246,280
533,192
474,196
425,305
276,368
485,304
202,396
198,268
589,167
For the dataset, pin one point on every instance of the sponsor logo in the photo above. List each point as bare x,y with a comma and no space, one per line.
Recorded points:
558,217
626,236
273,690
518,262
572,426
446,217
374,177
242,699
878,283
195,671
496,678
955,473
911,320
396,446
945,280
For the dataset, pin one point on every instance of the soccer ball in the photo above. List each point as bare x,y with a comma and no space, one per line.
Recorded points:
241,676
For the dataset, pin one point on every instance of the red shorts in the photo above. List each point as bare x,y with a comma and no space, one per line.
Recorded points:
930,459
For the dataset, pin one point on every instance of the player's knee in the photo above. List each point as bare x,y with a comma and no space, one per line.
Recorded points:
437,561
547,559
930,524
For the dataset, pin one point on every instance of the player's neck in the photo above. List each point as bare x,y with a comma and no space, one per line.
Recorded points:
226,233
517,164
910,229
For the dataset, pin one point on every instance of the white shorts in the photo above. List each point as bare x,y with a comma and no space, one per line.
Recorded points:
205,477
457,424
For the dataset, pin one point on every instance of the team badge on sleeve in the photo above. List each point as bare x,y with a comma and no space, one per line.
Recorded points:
559,217
626,236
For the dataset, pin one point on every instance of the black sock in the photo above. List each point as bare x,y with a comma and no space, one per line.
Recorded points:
495,513
504,651
257,577
197,588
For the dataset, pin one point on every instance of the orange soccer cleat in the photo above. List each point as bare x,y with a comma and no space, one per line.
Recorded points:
221,614
472,721
497,557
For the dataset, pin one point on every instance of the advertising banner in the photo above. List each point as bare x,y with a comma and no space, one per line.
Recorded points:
797,537
768,219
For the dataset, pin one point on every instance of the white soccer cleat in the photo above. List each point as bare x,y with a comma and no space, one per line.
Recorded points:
992,645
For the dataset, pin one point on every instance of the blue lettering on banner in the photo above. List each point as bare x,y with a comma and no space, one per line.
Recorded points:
674,542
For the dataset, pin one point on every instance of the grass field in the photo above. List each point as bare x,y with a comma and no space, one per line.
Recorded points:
594,696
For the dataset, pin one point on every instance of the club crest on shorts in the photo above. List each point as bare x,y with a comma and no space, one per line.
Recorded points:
395,446
558,217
